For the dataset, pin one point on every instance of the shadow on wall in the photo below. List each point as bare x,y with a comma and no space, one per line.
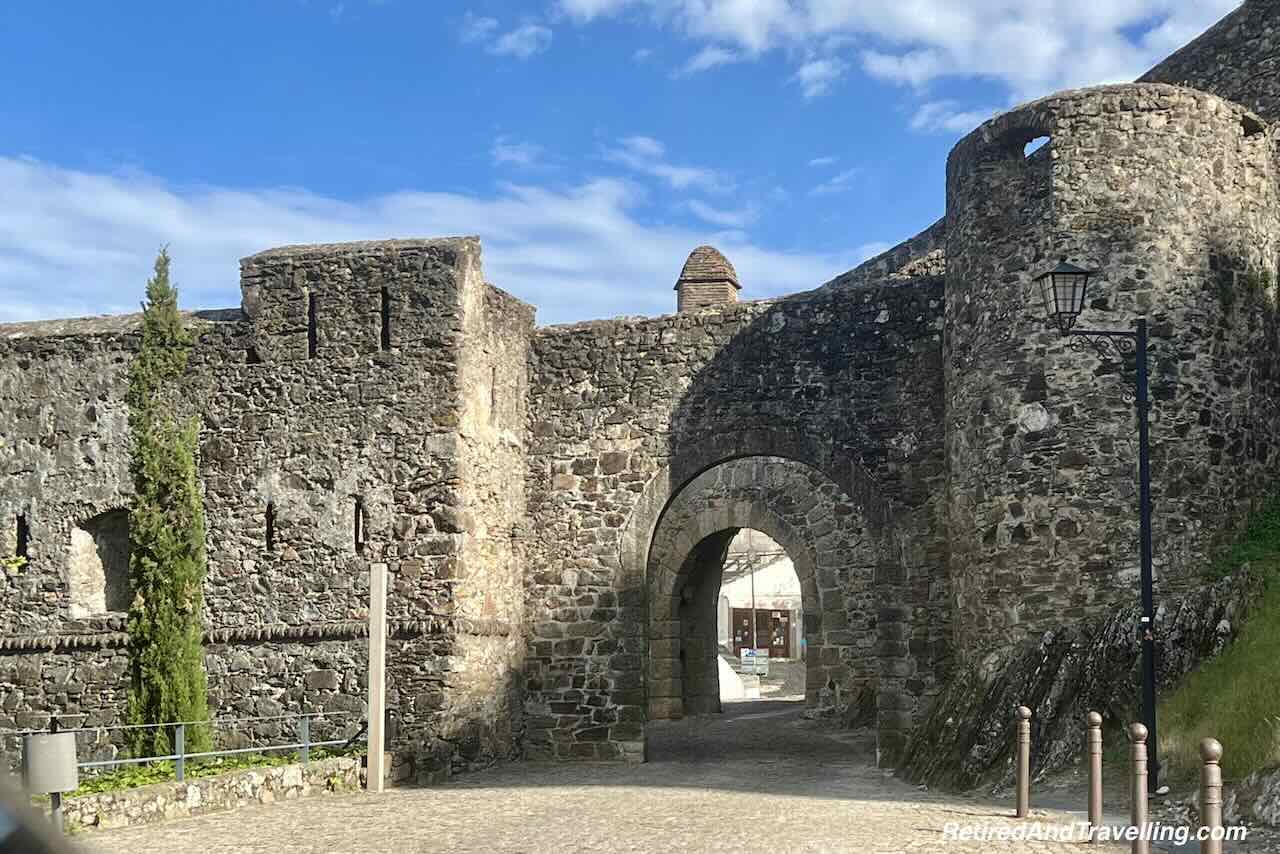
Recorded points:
847,383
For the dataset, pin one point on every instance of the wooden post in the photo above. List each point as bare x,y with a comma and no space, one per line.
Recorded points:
1211,794
1138,792
1022,758
376,764
1093,749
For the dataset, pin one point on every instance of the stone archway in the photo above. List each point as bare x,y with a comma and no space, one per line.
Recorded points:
835,559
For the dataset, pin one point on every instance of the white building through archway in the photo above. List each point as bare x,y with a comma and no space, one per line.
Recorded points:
759,579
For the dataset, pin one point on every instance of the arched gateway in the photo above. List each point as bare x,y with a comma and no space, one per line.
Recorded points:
653,440
834,556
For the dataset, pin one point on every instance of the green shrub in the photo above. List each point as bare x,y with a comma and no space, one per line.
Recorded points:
166,532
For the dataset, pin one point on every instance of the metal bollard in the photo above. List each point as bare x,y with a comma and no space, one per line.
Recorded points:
180,751
55,798
1022,758
1093,749
1138,793
1211,795
304,730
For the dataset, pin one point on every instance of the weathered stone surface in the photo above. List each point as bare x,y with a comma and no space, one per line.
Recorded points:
1071,671
1041,445
160,801
361,448
1254,800
839,387
549,503
1233,59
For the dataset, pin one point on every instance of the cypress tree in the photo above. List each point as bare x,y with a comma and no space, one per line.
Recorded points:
166,532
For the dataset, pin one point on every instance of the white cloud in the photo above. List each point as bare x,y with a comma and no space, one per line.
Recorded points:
823,161
915,67
817,76
575,252
1029,48
476,29
936,116
586,10
642,54
644,146
711,56
517,153
838,183
522,42
645,155
721,217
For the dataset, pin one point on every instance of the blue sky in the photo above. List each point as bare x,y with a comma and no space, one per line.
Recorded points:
590,143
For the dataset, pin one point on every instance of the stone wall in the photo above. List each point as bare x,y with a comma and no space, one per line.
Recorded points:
624,413
1238,59
920,256
1171,195
161,801
339,428
552,505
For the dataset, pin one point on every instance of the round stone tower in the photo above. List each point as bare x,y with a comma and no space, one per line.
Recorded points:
1171,193
707,278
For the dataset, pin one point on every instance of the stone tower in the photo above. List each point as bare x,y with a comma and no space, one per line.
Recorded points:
707,278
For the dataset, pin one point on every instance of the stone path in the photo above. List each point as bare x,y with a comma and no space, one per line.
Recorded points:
758,778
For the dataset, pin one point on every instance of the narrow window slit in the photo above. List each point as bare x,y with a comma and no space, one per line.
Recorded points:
271,526
386,318
312,338
359,525
24,537
493,395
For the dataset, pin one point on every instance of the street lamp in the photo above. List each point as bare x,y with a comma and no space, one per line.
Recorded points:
1063,289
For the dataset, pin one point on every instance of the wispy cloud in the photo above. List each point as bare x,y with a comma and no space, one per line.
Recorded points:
575,252
517,153
723,217
647,156
711,56
476,29
522,42
817,76
947,116
642,54
823,161
838,183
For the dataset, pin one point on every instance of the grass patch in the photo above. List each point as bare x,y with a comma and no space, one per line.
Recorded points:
1234,697
1258,545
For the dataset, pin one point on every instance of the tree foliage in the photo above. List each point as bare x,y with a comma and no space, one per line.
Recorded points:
166,532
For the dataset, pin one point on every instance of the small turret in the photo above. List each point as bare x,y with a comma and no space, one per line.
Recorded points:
706,279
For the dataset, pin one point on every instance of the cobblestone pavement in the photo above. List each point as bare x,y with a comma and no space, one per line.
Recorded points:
758,778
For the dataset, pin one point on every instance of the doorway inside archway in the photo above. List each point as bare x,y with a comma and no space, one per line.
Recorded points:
832,644
760,622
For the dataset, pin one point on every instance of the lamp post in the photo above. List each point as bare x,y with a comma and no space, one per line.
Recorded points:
1063,289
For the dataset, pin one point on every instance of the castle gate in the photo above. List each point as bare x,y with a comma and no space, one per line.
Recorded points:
815,419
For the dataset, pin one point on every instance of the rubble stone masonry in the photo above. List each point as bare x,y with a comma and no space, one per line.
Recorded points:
950,478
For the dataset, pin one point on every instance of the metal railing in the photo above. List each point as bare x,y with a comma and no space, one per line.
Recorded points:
304,743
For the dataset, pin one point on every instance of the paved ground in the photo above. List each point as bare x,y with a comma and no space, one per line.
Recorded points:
784,682
758,778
